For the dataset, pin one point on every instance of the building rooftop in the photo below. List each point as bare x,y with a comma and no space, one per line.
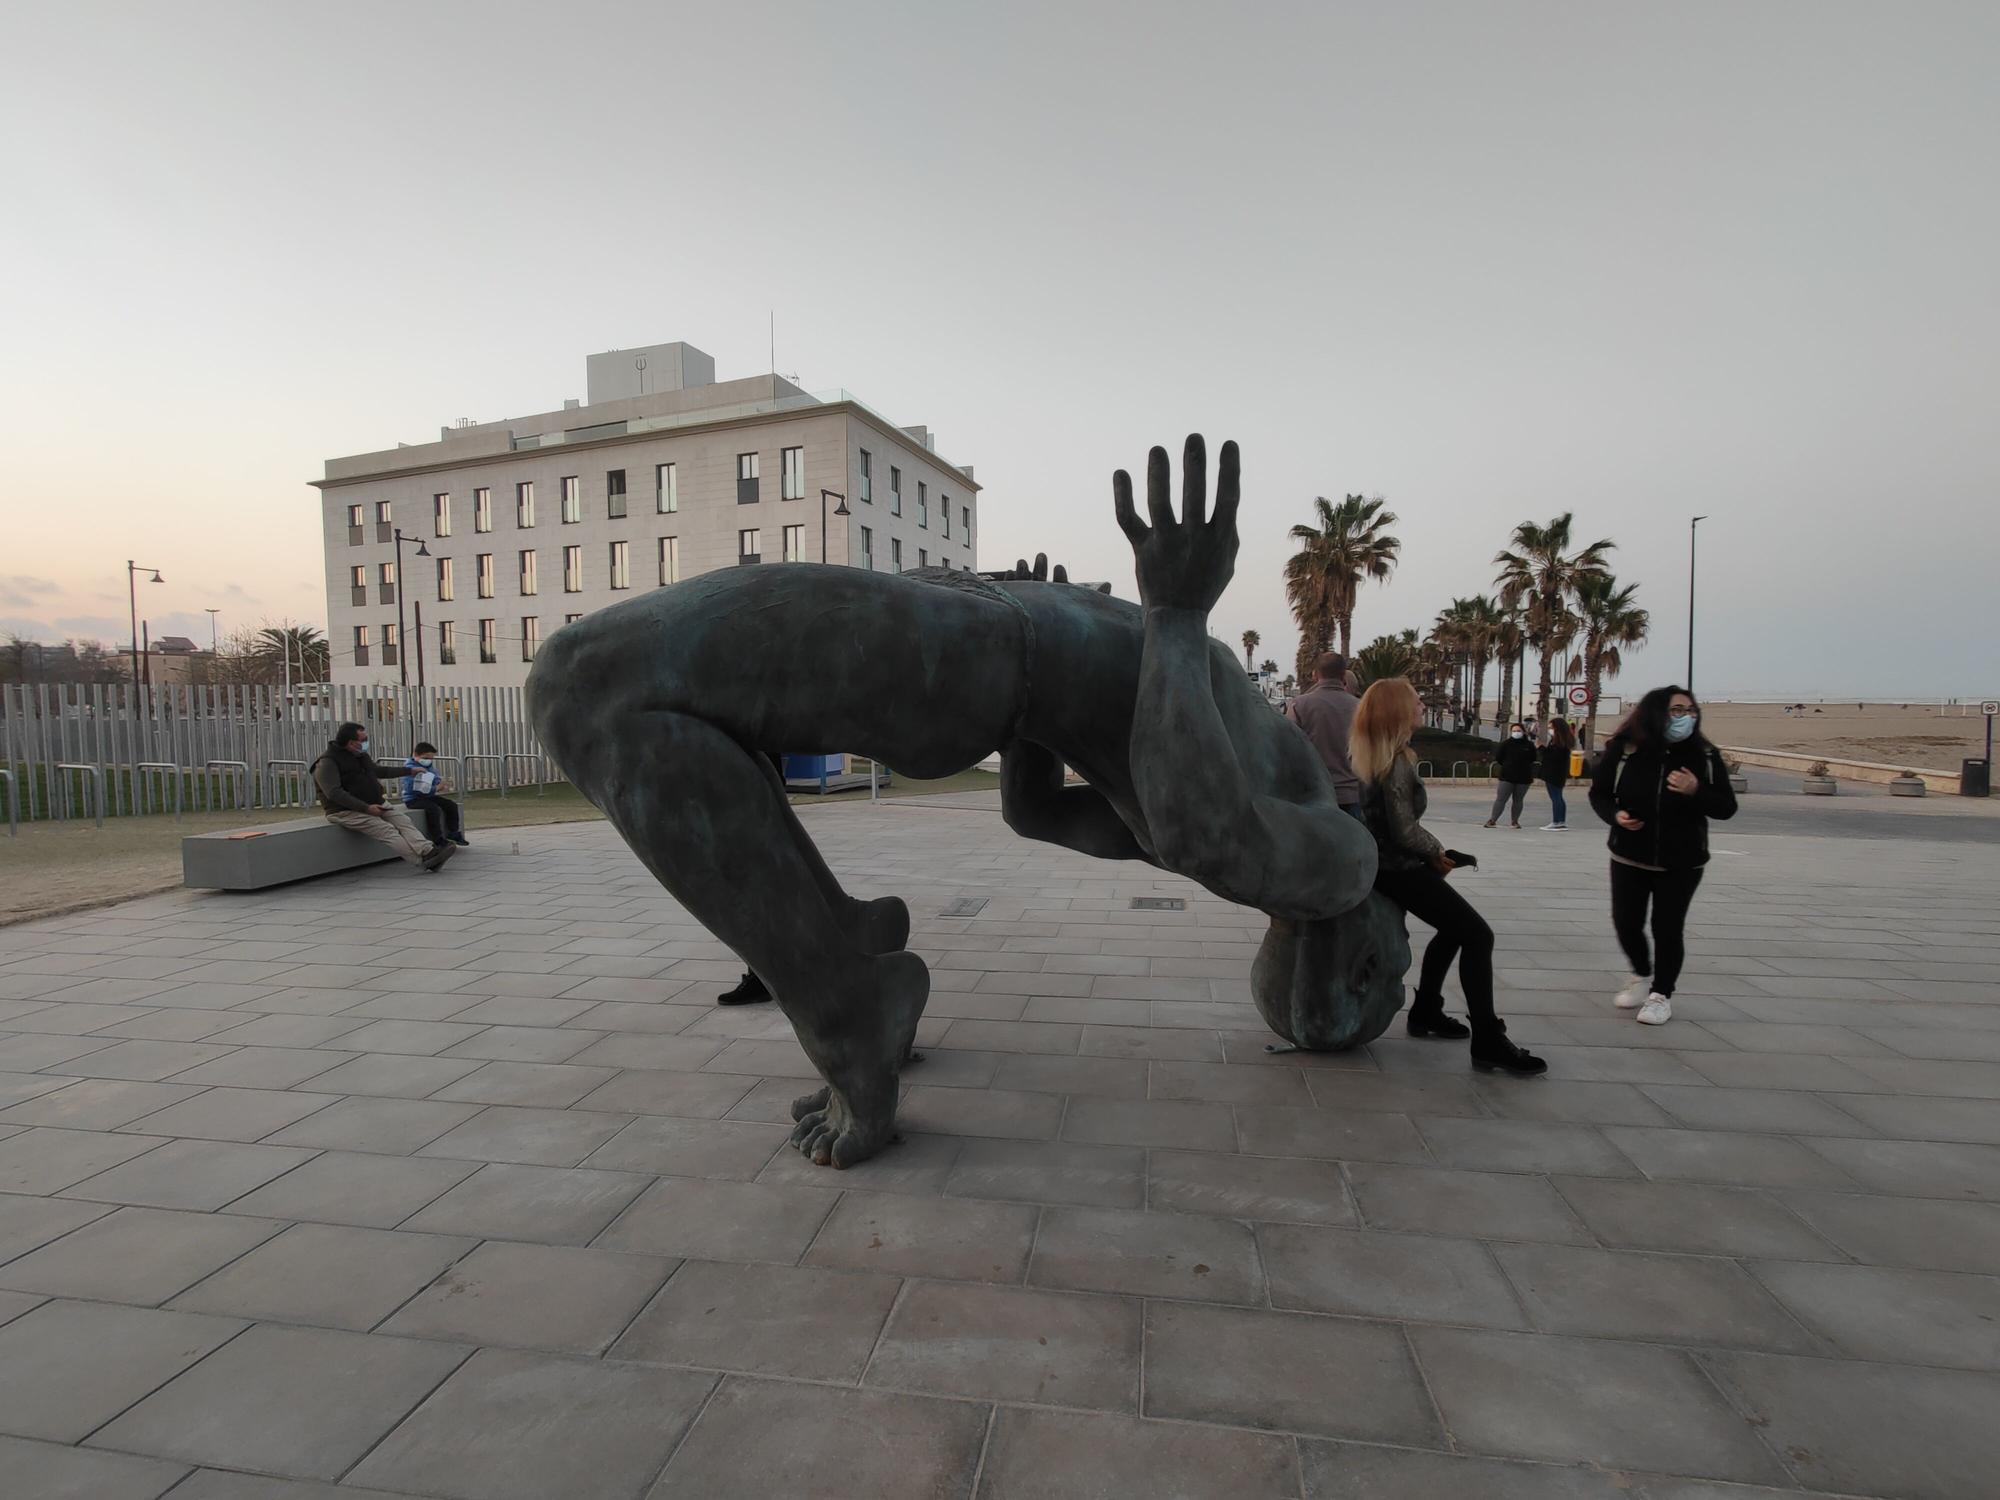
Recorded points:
631,393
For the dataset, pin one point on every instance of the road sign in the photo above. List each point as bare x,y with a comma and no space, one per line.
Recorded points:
1580,696
1990,708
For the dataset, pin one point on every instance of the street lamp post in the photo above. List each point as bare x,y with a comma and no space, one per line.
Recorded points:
1691,533
212,612
402,645
839,510
132,572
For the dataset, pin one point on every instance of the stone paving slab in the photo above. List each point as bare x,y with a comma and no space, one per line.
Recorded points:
323,1192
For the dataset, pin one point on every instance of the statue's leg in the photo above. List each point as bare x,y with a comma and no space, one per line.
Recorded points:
710,820
878,926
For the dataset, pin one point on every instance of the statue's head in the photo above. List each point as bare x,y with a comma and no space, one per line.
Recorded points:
1335,983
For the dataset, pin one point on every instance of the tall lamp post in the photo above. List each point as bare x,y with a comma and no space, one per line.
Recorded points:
839,510
1691,526
132,572
213,650
402,645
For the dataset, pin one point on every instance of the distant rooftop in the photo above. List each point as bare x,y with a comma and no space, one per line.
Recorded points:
630,392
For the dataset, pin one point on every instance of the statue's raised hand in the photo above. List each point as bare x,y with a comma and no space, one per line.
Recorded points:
1184,563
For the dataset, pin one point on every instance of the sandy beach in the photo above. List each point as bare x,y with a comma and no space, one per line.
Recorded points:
1924,737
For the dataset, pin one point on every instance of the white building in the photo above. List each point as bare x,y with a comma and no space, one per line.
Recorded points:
662,473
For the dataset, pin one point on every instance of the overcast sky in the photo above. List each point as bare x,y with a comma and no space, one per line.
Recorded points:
1491,261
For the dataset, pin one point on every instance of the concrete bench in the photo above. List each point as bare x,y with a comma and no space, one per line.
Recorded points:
280,852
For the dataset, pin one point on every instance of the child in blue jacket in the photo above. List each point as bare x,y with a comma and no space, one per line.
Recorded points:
423,791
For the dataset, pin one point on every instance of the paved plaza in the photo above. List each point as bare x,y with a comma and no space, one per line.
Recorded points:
461,1186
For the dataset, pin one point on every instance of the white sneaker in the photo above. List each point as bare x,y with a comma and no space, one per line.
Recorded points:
1555,828
1657,1011
1633,995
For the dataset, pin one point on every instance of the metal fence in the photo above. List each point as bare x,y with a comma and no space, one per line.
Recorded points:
95,751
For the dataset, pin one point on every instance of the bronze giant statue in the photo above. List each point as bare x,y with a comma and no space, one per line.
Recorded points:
661,710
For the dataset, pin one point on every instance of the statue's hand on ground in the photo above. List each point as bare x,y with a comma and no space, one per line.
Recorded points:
1182,563
1039,573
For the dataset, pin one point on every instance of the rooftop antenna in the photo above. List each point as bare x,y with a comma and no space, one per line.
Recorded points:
639,364
774,340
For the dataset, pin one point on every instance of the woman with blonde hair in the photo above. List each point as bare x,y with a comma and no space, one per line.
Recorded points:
1411,872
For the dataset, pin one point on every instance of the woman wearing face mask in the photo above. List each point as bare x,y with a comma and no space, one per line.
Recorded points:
1514,764
1657,784
1555,772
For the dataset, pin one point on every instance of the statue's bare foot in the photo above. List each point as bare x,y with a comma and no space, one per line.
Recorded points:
859,1048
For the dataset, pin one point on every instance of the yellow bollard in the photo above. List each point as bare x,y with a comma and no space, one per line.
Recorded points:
1576,762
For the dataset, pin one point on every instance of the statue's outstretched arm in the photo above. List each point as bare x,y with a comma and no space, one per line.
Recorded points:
1037,805
1207,821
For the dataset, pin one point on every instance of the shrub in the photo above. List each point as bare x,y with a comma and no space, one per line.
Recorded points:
1818,768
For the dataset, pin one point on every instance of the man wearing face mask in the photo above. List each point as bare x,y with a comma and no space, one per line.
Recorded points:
1657,784
349,783
1514,765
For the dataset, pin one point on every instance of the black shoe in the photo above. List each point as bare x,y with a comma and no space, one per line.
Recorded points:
1494,1051
461,842
1437,1024
434,860
748,991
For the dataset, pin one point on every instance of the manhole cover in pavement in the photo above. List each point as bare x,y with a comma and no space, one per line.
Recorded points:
964,906
1158,903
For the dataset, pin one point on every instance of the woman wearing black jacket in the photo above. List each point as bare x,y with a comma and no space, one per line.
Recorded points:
1657,784
1514,766
1555,772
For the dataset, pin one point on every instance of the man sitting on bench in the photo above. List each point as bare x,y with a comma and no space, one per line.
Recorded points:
349,784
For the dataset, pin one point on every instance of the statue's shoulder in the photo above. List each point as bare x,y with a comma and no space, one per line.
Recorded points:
951,578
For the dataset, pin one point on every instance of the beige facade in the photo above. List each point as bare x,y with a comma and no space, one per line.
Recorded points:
507,566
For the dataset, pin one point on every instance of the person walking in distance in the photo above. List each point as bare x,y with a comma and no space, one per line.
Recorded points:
349,784
1411,870
1657,784
1326,713
1514,765
1555,772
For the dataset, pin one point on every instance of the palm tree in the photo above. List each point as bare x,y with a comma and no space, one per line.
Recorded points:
1384,657
1452,641
1268,667
1540,570
1507,640
1251,641
1324,577
307,649
1607,619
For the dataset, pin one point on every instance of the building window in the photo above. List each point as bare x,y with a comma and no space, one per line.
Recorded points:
357,584
572,500
895,490
355,518
614,494
531,636
484,568
389,645
444,580
670,559
524,504
621,571
387,579
527,573
749,546
923,506
572,570
489,642
382,513
867,548
447,645
746,479
944,511
666,489
965,522
896,553
571,619
923,558
795,544
482,510
441,515
792,474
867,477
361,645
945,563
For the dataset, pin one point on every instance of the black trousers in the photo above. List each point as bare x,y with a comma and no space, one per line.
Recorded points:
1669,893
1461,934
442,819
